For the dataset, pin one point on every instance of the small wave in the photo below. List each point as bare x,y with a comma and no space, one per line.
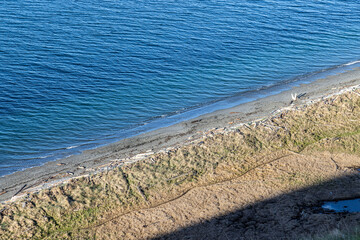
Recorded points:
352,63
38,157
72,147
46,156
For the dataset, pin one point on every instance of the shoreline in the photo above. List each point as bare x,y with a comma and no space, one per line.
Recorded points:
136,148
185,114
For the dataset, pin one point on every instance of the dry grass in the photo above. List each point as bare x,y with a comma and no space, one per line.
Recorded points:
73,209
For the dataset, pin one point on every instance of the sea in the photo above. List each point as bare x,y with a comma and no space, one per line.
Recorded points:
76,75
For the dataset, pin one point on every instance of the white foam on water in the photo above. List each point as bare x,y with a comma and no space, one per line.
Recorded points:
352,63
72,147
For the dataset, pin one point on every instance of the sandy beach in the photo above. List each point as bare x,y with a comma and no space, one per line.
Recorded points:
161,139
203,199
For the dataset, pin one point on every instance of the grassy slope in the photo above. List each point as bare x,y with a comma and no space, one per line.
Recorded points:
72,210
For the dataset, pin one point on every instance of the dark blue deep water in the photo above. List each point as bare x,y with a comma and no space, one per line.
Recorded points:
78,74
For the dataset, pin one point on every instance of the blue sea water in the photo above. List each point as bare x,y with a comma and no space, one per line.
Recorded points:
78,74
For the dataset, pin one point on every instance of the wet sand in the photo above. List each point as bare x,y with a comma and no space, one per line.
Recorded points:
123,152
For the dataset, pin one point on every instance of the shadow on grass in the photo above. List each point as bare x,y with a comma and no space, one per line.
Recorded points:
294,215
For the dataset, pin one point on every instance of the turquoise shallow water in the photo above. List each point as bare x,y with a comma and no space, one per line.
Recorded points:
78,74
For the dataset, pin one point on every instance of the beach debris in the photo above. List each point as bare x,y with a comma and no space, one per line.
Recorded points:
333,100
196,121
22,188
3,210
61,164
295,97
141,156
271,127
117,160
3,192
247,126
301,95
355,92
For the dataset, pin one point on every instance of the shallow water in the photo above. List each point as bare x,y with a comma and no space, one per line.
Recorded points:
352,205
78,74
